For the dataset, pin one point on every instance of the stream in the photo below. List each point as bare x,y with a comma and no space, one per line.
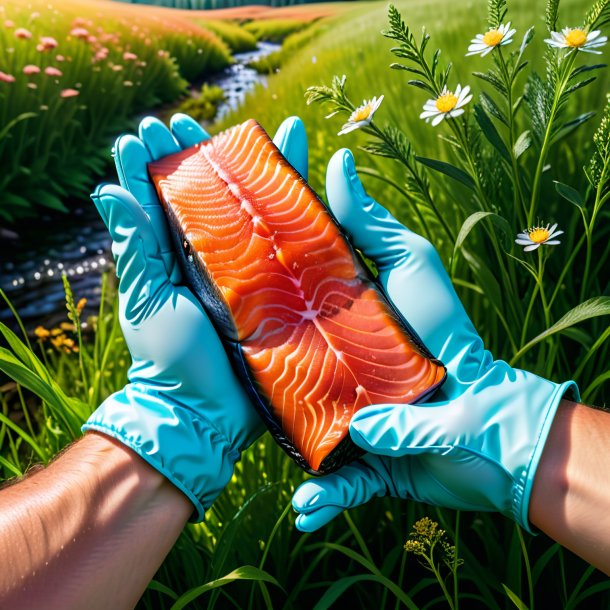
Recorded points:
33,259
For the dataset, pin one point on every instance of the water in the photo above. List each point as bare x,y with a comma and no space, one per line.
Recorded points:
34,255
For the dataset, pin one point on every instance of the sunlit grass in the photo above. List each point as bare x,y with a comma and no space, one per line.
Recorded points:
358,560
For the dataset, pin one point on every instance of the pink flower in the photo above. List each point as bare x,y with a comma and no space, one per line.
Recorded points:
69,93
47,43
23,33
9,24
79,33
92,39
51,71
59,58
127,56
6,78
31,69
101,54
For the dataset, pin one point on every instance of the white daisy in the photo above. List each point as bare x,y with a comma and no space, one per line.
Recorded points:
448,104
577,38
362,116
483,44
537,236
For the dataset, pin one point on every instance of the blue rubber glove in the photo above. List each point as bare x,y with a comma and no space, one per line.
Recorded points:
477,444
183,411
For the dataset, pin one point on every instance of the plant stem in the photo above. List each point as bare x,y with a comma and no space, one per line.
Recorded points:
546,142
528,569
456,539
519,199
366,171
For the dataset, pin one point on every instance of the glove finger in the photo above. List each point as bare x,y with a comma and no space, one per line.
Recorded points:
131,159
370,226
135,248
320,500
291,139
157,138
187,131
398,430
407,263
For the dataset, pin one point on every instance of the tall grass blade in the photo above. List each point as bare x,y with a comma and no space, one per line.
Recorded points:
242,573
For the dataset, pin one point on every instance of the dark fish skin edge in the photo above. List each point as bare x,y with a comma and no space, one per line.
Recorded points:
204,289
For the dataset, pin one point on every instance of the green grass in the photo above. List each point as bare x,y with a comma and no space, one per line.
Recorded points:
53,148
292,43
236,37
358,560
274,30
205,106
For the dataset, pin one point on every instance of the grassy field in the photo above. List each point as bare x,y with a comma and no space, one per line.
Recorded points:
358,561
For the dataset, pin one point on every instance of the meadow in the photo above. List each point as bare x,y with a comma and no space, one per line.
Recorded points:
545,311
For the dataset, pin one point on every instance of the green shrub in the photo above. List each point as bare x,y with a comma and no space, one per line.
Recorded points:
96,71
205,105
237,38
274,30
273,62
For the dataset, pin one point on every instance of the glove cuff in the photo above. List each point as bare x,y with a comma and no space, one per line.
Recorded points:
179,443
522,490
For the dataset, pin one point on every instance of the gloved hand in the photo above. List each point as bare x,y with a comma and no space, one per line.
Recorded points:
476,445
183,411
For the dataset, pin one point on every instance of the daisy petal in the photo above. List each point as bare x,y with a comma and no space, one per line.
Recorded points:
436,120
552,228
553,235
523,242
347,128
530,248
552,243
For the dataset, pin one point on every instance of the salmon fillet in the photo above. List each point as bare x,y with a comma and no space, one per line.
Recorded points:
308,329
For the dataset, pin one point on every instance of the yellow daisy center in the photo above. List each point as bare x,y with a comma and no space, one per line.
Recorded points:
362,113
539,235
446,102
493,38
576,38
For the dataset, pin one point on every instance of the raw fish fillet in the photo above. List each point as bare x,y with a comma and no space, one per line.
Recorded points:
307,328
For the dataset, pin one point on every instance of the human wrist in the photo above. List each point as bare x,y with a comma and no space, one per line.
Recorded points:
177,441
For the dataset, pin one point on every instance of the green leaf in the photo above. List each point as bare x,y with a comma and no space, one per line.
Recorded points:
449,170
334,592
524,141
49,201
242,573
569,193
490,106
155,585
386,582
11,467
16,200
471,222
567,128
514,598
490,132
491,78
22,117
592,308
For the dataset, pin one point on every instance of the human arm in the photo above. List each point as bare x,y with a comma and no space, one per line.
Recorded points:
571,494
77,534
160,450
483,441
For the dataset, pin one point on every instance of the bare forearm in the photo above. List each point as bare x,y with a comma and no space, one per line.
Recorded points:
89,531
571,494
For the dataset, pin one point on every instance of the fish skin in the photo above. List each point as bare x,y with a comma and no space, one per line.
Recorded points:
308,329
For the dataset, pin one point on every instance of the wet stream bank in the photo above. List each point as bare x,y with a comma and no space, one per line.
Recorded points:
35,253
